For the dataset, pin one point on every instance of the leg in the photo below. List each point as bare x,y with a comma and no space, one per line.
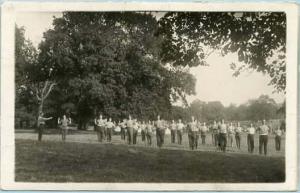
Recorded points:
252,143
260,144
265,144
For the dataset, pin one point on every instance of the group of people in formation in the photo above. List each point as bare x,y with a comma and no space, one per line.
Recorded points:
223,134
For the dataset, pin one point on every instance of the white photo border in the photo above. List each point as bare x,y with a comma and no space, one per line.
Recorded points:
8,16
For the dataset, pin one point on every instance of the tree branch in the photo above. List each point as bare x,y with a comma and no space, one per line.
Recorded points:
49,90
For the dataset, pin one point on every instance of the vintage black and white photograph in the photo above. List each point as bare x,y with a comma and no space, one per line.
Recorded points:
150,96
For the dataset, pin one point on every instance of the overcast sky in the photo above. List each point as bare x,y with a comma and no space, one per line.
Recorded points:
214,82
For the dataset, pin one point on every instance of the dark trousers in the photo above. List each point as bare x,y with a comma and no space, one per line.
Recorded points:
40,131
143,133
160,135
250,143
263,144
203,136
179,137
223,141
123,133
277,142
108,134
216,135
100,133
193,139
135,132
238,140
129,135
173,136
149,138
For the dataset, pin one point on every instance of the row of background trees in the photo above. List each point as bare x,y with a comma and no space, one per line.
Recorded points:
121,63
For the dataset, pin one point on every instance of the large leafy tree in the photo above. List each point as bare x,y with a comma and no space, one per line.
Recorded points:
259,39
110,63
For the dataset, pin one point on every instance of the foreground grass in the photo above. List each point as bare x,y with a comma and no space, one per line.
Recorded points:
50,161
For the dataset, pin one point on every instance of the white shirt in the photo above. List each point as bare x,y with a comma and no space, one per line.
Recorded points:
173,126
110,124
223,128
264,129
278,132
204,129
194,126
231,130
180,126
251,130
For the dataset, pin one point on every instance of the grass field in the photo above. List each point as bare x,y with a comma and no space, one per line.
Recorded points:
74,161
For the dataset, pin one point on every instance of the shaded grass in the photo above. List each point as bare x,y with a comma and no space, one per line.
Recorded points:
50,161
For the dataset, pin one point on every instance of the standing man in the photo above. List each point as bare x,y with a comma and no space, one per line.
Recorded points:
194,133
109,128
250,138
173,131
123,129
143,131
223,136
263,137
214,129
231,134
238,131
135,131
149,133
64,122
159,132
204,130
179,128
129,127
100,127
278,134
41,125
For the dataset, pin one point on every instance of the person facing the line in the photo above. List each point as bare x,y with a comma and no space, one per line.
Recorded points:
41,125
64,122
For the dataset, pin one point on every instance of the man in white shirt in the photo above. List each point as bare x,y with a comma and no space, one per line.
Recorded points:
223,136
263,137
149,132
250,138
194,133
123,129
231,134
238,131
179,127
109,128
100,127
278,134
204,130
214,133
173,131
129,126
135,131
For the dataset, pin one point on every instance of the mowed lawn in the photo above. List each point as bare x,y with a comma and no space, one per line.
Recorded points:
56,161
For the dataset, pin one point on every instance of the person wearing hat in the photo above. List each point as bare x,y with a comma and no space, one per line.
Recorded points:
263,137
